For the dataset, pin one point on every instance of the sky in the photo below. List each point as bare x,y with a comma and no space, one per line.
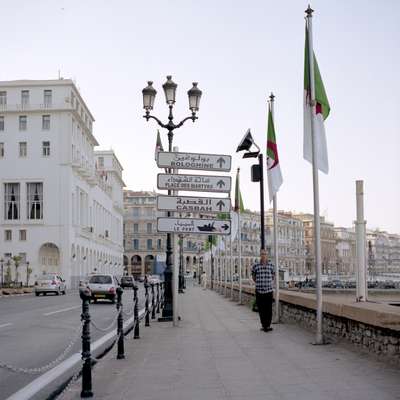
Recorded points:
239,52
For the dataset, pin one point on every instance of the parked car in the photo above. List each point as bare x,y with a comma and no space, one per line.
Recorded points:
50,283
127,281
153,279
140,278
103,286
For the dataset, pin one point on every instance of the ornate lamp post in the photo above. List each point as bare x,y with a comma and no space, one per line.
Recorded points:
149,94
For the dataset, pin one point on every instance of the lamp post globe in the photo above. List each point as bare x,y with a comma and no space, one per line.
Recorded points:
194,95
169,88
149,95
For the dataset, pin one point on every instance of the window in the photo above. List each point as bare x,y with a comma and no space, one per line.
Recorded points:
3,98
101,162
149,228
45,122
47,98
8,235
11,201
1,123
1,150
135,228
22,234
24,97
23,149
22,122
136,244
159,244
149,244
34,193
46,149
135,211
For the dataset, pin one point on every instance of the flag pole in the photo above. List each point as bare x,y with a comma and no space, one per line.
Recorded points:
317,226
275,219
240,241
231,264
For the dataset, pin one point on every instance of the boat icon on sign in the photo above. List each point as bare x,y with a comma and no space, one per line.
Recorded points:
207,228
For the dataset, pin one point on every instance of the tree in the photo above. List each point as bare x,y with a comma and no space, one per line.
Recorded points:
17,260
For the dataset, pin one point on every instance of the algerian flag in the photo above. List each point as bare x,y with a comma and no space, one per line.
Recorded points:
159,146
239,207
322,109
274,168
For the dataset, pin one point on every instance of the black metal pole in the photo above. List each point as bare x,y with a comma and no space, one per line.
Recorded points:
136,334
146,305
2,275
120,326
261,166
181,278
167,309
153,305
212,264
158,298
86,355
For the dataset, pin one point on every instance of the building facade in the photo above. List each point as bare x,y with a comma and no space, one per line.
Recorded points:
345,251
59,212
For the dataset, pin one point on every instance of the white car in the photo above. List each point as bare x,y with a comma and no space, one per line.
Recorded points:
154,279
50,283
103,286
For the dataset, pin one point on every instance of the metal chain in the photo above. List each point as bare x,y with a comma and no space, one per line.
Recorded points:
108,327
38,370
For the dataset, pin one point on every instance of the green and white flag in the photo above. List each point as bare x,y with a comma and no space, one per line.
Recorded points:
320,114
273,167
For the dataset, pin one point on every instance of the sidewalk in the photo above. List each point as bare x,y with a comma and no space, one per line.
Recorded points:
218,352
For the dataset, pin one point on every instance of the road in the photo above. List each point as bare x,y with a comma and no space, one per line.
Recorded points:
35,331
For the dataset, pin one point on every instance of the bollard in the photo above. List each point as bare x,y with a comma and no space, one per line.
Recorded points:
162,294
86,355
120,325
158,298
146,304
153,305
136,334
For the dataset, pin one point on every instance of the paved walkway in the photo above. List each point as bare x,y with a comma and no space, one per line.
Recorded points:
218,352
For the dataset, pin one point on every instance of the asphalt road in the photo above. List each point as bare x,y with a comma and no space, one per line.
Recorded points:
35,331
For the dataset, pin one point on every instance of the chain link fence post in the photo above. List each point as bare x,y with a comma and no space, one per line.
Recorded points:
136,334
86,355
120,325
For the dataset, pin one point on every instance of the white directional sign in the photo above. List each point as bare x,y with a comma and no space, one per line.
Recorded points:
189,225
196,183
193,204
205,162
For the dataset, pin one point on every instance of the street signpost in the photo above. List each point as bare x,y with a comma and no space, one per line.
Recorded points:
193,204
197,183
193,225
205,162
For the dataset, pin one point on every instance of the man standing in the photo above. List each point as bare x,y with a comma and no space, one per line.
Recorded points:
263,275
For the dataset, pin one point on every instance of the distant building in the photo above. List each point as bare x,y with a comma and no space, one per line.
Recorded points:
383,251
60,210
291,244
345,251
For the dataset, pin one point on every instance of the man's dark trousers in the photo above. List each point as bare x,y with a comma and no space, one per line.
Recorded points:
264,305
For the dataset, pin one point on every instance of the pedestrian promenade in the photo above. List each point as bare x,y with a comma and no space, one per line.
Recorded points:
218,352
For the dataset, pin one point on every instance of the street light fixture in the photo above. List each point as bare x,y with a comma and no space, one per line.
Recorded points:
257,173
149,94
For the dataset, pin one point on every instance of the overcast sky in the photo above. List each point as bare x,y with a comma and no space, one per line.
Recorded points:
238,52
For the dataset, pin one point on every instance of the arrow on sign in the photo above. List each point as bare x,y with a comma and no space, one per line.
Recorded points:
220,161
220,183
225,227
220,204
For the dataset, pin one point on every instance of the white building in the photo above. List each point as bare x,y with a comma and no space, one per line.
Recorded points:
61,202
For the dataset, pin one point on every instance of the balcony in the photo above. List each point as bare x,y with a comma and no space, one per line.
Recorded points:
35,107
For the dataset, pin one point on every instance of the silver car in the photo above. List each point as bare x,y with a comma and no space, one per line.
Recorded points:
103,286
50,283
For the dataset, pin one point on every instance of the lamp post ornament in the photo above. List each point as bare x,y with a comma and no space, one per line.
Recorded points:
149,94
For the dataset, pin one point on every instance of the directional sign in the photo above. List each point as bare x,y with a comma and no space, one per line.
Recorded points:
194,183
193,204
189,225
205,162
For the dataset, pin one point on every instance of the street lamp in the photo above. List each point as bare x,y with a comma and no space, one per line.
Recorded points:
149,94
257,174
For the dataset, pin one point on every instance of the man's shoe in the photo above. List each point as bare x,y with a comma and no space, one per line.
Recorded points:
262,329
268,329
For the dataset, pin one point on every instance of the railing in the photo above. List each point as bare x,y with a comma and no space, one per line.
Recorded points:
35,107
115,333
